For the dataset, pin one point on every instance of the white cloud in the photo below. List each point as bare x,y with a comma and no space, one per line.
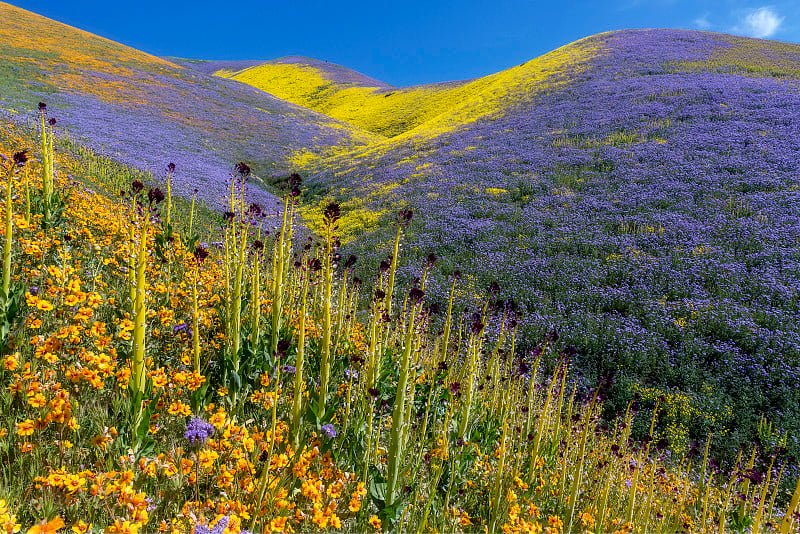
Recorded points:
761,23
702,22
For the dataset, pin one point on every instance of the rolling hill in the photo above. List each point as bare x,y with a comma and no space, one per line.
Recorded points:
640,197
635,191
147,111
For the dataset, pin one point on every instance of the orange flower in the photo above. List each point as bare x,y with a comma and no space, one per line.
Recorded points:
47,527
179,408
25,428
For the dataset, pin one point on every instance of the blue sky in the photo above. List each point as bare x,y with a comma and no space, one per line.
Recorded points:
402,42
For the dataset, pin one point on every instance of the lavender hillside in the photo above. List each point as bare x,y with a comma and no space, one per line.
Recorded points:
647,211
146,111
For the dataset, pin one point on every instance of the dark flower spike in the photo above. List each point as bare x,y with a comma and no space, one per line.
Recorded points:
42,106
228,215
405,216
200,254
52,122
416,295
255,209
332,212
431,259
137,186
171,167
155,195
243,169
258,245
295,180
20,158
351,260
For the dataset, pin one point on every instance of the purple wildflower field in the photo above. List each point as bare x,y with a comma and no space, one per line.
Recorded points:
647,211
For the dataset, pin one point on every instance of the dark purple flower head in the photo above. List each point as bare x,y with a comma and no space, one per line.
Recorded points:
385,264
380,294
42,106
228,215
332,213
357,281
351,260
52,122
200,254
171,167
431,259
315,265
416,295
198,431
155,195
477,323
283,346
405,216
137,187
20,158
295,180
243,169
258,245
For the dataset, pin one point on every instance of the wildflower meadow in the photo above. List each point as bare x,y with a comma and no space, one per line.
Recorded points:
560,298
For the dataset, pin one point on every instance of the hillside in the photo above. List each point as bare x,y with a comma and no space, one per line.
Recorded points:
147,112
635,192
646,209
392,111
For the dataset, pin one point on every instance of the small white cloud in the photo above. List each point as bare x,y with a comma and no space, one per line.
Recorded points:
702,22
761,23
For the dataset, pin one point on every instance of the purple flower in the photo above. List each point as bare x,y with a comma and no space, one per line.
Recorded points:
198,431
329,430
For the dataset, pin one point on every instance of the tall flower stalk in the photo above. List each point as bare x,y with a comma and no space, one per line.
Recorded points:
331,216
399,419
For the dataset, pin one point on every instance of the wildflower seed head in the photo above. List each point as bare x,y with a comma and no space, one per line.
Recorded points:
200,254
416,295
405,216
332,213
243,169
20,158
155,195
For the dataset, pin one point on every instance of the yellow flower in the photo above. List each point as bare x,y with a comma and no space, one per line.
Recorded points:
44,306
375,522
80,527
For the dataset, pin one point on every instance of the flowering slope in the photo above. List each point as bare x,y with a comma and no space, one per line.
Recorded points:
390,111
647,209
147,111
